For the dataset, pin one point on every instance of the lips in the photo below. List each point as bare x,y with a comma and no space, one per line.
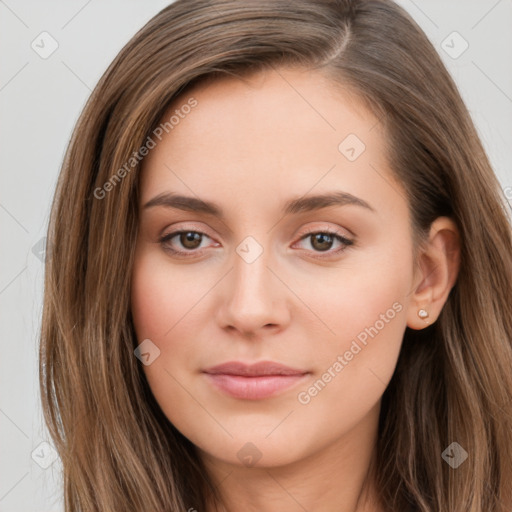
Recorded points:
253,382
253,370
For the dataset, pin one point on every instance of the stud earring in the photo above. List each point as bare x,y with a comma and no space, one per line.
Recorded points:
422,313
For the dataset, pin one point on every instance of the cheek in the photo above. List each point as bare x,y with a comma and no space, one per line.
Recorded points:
162,303
365,311
161,297
165,309
365,293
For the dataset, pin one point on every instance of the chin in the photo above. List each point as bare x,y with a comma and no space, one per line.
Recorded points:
255,450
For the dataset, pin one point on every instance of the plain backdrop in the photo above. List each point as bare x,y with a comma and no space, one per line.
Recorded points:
41,97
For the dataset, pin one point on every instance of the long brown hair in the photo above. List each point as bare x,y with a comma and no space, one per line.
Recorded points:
453,380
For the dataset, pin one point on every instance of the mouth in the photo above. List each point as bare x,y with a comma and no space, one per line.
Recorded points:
253,382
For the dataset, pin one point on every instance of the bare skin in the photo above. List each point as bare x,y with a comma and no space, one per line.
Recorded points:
251,146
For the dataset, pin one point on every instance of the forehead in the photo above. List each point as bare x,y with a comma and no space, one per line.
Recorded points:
283,130
286,101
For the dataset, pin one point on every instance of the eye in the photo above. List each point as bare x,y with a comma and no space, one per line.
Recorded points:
188,239
322,241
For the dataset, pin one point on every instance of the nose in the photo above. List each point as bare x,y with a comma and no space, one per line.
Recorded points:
253,299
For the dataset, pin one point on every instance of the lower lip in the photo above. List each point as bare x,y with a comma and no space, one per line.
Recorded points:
253,388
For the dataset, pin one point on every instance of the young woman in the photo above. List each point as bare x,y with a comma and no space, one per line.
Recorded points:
281,273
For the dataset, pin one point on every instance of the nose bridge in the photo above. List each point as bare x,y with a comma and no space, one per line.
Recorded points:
254,296
250,269
251,276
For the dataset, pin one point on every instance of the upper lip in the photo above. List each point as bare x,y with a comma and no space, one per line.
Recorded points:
253,370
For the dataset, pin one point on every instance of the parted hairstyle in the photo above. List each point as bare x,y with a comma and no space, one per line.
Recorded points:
453,379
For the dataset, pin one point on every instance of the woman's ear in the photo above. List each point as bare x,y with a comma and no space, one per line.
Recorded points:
438,268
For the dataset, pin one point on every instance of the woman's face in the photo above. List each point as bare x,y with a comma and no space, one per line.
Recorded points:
262,275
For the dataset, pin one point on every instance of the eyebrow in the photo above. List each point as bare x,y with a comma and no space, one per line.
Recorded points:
293,206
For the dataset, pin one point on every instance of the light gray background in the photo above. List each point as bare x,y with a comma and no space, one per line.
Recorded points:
40,100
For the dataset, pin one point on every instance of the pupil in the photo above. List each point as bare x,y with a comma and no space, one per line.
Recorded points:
324,239
189,239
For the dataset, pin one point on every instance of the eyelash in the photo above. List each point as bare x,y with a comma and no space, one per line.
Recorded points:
191,253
